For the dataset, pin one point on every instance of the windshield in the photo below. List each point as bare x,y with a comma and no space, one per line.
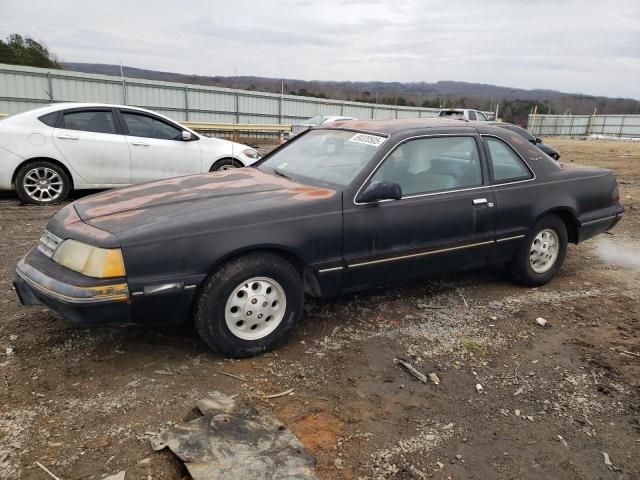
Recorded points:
332,157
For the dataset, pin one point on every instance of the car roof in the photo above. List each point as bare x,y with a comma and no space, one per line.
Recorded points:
505,124
66,105
393,126
54,107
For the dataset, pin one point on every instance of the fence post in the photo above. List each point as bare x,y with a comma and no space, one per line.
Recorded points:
372,113
186,102
590,123
396,112
280,109
342,109
50,83
124,91
622,125
533,121
237,107
571,127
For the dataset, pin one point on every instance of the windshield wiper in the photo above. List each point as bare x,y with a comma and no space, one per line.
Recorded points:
280,173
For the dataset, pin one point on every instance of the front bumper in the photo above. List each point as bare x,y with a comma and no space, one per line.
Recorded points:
86,301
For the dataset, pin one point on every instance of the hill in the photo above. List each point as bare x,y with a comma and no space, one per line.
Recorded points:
515,103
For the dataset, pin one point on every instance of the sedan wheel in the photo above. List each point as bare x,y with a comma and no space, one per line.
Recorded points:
541,253
42,183
255,308
544,250
225,164
249,305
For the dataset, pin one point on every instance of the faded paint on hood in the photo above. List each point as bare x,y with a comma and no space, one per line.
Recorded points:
218,194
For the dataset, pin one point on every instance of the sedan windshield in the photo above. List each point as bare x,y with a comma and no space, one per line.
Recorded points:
325,156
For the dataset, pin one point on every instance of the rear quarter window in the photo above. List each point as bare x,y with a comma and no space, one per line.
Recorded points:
49,119
506,165
524,146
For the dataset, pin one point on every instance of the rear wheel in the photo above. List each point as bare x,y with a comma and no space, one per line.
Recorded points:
42,183
542,252
250,305
226,164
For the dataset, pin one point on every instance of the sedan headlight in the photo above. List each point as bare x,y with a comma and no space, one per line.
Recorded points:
251,153
89,260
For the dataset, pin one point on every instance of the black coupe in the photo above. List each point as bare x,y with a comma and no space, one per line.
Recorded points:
338,209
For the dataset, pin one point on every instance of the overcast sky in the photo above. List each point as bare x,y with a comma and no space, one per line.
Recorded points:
587,46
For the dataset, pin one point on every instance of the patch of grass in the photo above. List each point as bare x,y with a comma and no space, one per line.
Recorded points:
474,346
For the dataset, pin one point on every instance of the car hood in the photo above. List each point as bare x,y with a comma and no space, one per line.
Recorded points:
196,200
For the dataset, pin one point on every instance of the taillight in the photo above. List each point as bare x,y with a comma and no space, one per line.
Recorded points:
615,196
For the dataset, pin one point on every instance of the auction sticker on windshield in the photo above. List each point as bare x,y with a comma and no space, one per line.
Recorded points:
367,139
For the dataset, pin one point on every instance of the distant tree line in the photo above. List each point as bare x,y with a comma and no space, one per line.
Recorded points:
16,50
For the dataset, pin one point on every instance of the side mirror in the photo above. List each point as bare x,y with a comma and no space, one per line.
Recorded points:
377,190
538,140
186,136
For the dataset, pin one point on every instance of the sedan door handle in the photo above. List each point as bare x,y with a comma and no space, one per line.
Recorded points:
138,143
64,136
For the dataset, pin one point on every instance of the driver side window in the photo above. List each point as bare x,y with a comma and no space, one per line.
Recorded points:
149,127
431,165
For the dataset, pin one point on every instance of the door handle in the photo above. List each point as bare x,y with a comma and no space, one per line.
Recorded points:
64,136
138,143
482,201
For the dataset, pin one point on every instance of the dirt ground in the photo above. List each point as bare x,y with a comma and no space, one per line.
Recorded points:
554,399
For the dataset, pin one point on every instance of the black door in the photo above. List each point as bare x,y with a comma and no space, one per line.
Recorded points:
515,194
444,222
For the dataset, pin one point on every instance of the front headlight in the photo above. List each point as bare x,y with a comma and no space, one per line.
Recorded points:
89,260
251,153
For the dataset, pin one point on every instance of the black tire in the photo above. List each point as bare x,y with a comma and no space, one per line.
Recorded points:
521,268
29,195
226,164
210,319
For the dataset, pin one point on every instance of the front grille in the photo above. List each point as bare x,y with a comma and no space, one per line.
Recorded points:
49,243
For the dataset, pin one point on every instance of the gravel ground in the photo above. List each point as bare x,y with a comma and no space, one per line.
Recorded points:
553,399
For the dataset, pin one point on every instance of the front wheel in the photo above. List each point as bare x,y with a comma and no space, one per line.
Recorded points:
542,252
225,164
250,305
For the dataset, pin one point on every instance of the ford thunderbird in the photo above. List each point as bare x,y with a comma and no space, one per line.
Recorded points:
338,209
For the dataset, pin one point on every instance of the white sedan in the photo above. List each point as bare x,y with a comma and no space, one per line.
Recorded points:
47,152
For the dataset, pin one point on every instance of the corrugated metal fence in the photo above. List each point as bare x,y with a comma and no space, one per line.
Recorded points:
614,125
24,88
